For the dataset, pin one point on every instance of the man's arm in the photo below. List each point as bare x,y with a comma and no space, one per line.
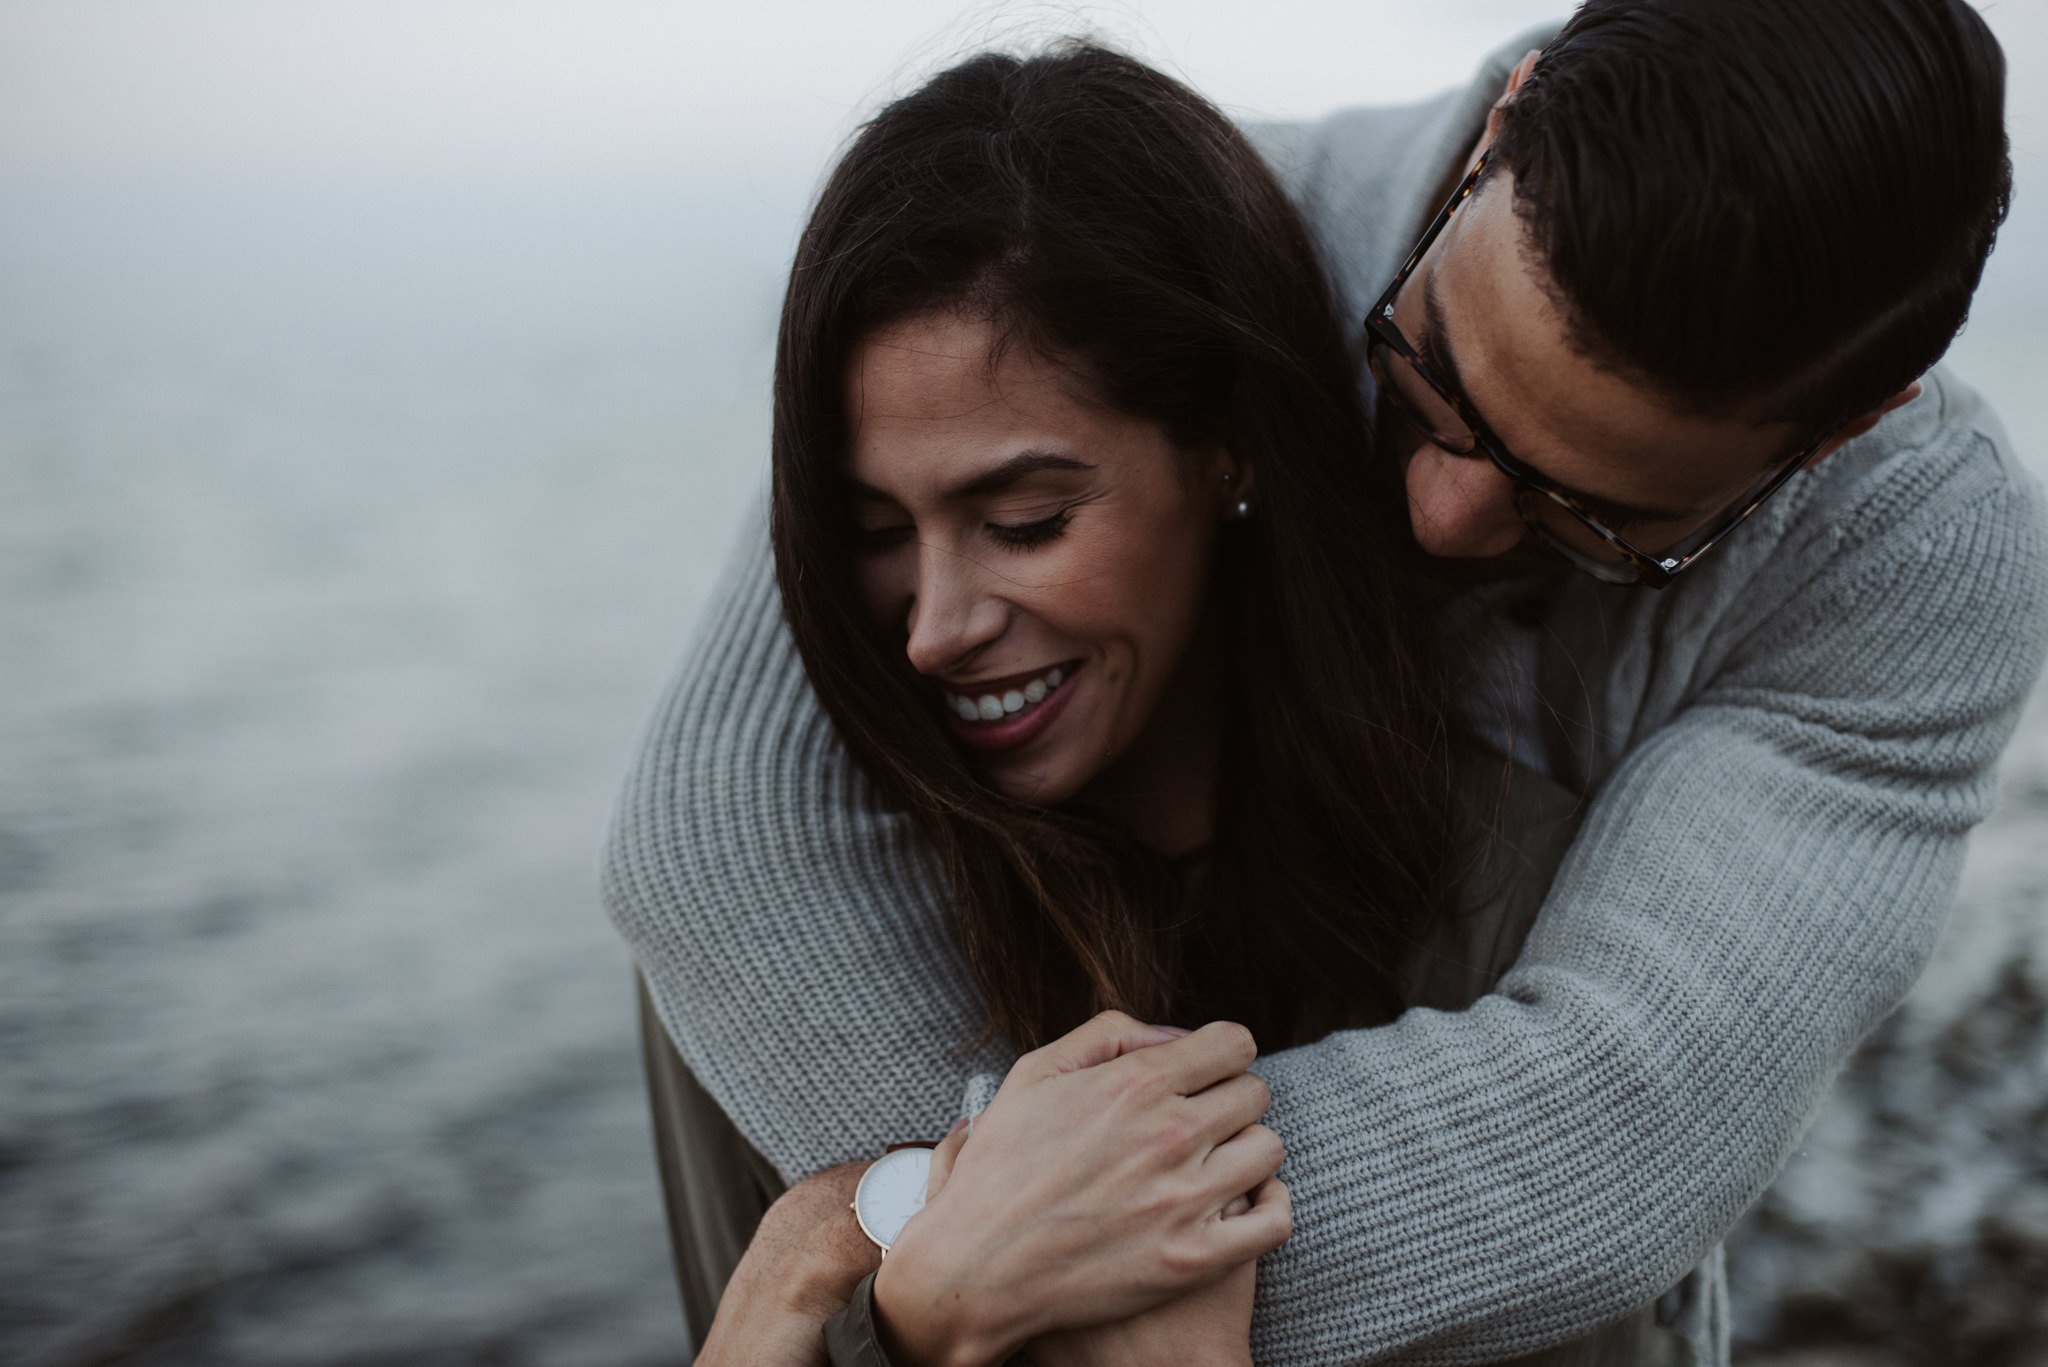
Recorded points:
792,932
1758,882
800,1269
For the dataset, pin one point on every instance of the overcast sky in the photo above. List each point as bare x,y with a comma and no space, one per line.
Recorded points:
547,86
325,125
398,92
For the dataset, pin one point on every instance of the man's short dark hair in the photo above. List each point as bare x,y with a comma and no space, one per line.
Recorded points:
1767,208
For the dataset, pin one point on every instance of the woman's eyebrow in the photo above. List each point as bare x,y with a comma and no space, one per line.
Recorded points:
1001,477
868,493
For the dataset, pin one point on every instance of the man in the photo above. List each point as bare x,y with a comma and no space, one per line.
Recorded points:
1672,328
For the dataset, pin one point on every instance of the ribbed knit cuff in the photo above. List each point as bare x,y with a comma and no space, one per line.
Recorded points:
850,1337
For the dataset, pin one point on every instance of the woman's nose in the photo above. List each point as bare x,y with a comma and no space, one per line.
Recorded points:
1462,507
953,610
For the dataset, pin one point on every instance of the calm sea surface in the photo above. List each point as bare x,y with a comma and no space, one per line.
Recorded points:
331,604
330,610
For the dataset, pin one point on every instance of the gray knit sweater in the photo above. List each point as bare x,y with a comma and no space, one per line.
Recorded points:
1782,753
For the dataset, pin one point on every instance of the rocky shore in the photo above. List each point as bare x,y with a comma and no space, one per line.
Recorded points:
1912,1227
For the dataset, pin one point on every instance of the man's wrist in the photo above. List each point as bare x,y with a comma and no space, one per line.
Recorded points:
922,1322
804,1258
821,1285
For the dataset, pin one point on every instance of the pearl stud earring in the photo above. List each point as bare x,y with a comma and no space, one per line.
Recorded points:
1243,508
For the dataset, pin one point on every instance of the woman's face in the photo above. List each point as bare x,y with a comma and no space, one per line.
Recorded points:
1045,558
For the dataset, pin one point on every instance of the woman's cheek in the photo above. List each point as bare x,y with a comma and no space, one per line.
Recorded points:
1081,583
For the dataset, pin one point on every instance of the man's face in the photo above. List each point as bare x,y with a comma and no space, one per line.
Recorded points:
1478,305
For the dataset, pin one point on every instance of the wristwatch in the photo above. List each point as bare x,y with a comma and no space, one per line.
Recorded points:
891,1191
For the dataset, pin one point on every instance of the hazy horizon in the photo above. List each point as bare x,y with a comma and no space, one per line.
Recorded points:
381,128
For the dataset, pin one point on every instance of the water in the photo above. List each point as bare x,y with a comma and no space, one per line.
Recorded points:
332,598
327,625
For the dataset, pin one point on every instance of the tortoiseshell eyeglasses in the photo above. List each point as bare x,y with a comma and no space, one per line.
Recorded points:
1557,515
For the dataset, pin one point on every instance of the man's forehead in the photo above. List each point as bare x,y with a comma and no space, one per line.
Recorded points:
1493,309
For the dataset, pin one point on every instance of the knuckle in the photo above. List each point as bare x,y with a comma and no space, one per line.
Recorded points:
1145,1071
1174,1135
1182,1260
1240,1040
1260,1148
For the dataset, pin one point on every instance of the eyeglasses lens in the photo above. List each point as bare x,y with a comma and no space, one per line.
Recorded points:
1417,401
1574,539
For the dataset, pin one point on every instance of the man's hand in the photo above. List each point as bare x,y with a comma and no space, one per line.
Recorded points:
1207,1328
1094,1189
799,1271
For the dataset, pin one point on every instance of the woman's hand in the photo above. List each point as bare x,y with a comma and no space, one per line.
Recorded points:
1094,1189
800,1270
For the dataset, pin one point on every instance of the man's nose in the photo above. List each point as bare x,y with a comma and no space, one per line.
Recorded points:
954,610
1462,507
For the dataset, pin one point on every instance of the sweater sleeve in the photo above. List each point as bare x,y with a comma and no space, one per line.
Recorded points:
1760,878
791,930
1757,883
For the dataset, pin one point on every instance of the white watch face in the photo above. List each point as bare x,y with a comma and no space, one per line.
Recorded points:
890,1192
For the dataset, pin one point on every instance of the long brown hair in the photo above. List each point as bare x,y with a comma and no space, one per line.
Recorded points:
1106,215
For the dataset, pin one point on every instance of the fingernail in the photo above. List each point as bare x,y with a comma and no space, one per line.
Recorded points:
1173,1030
958,1125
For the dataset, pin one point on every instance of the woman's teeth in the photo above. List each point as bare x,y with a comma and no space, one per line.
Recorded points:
991,707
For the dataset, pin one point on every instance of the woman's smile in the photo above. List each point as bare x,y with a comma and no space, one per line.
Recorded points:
1003,714
1043,559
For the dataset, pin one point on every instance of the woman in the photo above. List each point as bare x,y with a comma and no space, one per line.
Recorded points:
1106,250
1081,543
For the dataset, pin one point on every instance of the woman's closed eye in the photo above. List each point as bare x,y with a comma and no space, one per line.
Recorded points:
880,528
1025,536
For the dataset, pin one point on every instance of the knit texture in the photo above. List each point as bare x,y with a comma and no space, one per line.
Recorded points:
1783,753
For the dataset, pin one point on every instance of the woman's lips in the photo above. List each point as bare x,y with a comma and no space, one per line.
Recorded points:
1025,725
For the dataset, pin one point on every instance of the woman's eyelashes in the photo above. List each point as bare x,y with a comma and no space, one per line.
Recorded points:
1016,536
1024,536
